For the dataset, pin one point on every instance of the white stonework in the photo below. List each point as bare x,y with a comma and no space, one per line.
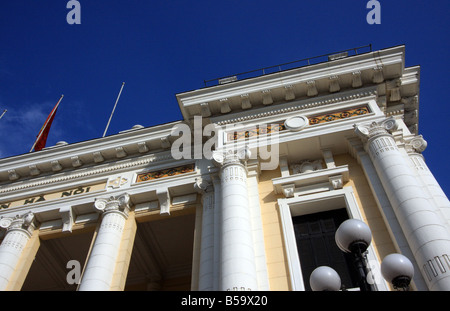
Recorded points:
238,272
102,260
347,136
426,232
19,230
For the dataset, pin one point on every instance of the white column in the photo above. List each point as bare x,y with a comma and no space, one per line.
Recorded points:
102,260
206,269
415,147
238,268
19,230
426,233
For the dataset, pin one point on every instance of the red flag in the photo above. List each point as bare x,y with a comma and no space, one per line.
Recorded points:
41,139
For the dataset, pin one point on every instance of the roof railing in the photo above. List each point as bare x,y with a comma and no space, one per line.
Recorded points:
290,65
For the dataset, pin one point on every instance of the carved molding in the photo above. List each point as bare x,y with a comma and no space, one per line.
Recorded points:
306,167
97,171
301,106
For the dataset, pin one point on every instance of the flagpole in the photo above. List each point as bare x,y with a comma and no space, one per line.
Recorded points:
4,111
118,96
46,122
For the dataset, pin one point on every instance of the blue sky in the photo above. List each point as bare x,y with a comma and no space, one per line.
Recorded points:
161,48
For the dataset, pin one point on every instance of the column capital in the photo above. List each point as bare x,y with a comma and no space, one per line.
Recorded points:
231,156
416,144
374,129
24,222
120,203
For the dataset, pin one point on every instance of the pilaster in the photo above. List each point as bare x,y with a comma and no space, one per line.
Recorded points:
206,269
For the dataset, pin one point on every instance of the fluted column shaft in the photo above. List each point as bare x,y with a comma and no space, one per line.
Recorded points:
19,230
415,147
238,267
100,267
425,231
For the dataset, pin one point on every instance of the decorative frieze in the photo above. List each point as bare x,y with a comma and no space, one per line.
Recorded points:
339,115
283,125
300,106
168,172
255,131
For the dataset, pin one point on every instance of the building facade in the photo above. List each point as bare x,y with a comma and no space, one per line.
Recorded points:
245,193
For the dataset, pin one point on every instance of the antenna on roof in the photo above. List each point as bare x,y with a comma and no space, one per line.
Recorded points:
118,96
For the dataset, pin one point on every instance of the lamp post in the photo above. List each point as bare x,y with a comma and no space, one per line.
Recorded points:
354,236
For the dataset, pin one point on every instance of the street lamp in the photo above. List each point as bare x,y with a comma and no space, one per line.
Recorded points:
324,278
354,236
398,270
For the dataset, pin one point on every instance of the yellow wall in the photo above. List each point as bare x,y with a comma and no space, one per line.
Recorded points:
277,266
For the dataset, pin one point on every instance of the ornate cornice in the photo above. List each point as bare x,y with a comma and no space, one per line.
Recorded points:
86,173
301,105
